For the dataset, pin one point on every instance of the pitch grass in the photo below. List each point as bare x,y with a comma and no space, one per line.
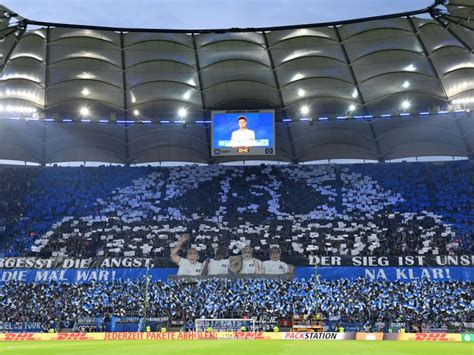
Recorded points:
236,347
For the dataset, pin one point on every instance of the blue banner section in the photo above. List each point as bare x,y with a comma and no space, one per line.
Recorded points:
390,273
82,275
21,327
326,273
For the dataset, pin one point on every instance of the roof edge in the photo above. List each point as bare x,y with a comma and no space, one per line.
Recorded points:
26,22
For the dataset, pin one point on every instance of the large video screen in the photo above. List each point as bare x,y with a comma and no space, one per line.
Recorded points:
243,132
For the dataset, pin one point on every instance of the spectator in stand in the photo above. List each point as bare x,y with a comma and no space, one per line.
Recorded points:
343,301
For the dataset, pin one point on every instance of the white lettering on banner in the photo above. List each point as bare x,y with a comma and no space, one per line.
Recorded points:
93,275
376,274
411,260
51,275
325,260
13,276
311,336
434,273
77,263
410,274
125,262
4,326
370,261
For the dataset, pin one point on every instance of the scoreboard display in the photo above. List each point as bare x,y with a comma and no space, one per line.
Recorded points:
236,133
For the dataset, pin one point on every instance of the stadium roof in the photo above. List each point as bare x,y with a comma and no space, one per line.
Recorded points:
387,65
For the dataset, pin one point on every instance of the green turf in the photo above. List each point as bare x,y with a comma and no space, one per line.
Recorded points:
236,347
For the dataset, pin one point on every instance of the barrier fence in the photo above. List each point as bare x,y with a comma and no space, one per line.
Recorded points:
296,336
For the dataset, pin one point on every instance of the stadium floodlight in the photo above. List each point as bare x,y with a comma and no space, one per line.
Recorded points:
84,111
464,100
410,67
85,91
86,75
297,76
20,76
187,95
405,104
406,84
301,92
355,93
182,112
17,109
136,113
352,107
304,109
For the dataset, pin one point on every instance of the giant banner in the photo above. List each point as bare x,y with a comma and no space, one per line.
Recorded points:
326,273
161,262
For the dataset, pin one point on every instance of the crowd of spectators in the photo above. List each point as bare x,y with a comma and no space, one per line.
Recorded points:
367,209
343,300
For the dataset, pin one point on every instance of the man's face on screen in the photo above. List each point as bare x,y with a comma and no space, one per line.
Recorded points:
247,253
275,254
193,256
242,124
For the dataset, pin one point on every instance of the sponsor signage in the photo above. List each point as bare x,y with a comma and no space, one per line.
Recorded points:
369,336
156,336
317,336
21,327
430,337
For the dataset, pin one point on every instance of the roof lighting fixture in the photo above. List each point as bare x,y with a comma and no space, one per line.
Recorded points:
406,84
136,113
352,107
85,91
464,100
297,76
182,112
301,92
304,109
187,95
132,98
405,104
355,93
86,75
84,111
410,67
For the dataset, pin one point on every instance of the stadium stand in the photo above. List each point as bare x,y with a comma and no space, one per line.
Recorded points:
373,90
391,209
341,301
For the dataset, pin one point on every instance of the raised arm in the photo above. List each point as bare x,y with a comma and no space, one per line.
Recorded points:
174,252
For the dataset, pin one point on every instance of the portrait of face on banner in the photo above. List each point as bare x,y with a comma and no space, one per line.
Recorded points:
190,263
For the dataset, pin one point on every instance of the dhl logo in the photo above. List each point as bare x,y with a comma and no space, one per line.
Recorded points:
72,336
19,336
246,335
431,337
